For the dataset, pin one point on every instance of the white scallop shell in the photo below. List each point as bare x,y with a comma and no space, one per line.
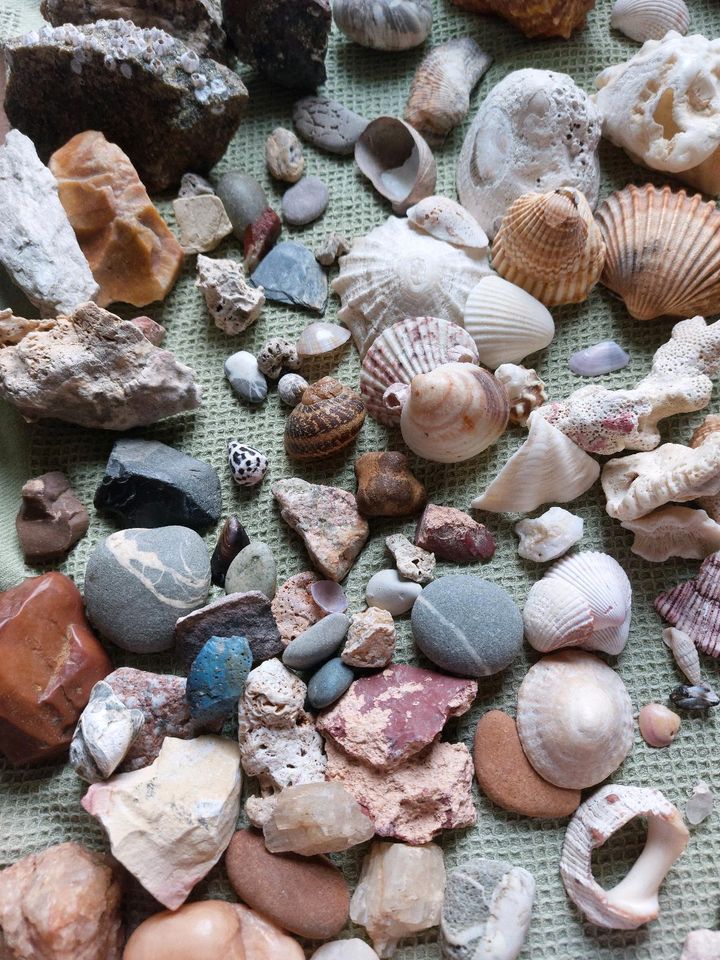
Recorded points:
505,322
643,20
397,271
555,616
574,718
445,219
416,345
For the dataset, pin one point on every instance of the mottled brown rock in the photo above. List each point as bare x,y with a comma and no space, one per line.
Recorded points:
150,329
370,641
61,904
132,253
506,776
453,535
294,608
386,487
51,518
236,615
50,662
307,896
260,237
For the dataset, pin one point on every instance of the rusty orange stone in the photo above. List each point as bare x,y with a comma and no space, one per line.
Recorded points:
50,662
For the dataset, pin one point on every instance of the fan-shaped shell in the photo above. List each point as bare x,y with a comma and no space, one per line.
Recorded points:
574,719
550,245
397,161
413,346
506,322
555,616
643,20
384,24
454,412
397,271
327,419
445,219
663,251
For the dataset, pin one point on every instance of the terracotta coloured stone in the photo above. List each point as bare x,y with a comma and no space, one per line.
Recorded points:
294,608
131,251
453,535
236,615
51,660
51,519
384,719
386,487
506,776
61,904
260,237
307,896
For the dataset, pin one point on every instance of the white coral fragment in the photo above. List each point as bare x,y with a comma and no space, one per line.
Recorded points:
232,302
548,536
674,532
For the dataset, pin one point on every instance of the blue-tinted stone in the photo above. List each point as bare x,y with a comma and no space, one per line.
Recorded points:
290,274
217,678
329,683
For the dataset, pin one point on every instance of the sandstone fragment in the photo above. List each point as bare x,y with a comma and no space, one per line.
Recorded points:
370,642
51,519
312,818
294,607
232,302
202,222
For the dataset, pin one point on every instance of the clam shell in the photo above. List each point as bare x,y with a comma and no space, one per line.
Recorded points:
397,161
445,219
694,606
327,419
542,18
555,616
384,24
550,245
416,345
663,251
685,653
643,20
506,322
440,92
454,412
320,338
397,271
574,718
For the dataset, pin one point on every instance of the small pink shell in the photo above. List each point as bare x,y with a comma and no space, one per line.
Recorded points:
329,596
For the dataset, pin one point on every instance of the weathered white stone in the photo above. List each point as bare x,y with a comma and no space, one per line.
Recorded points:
104,734
313,818
233,303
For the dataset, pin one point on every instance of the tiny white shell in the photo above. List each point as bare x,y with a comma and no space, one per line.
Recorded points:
685,653
506,322
643,20
446,220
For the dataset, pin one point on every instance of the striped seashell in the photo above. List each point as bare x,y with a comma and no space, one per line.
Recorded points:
643,20
694,606
685,653
384,24
556,617
327,419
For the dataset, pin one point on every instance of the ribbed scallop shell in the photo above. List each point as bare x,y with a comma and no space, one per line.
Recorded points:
550,245
685,653
542,18
454,412
506,323
643,20
556,616
327,419
663,252
416,345
398,271
574,718
384,24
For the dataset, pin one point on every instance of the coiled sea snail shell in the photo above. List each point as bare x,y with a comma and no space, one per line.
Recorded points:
327,419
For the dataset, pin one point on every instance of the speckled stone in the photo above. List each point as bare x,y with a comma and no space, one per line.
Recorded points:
238,614
252,569
328,124
467,626
243,198
317,643
217,678
329,683
294,608
453,535
371,639
389,591
305,202
290,274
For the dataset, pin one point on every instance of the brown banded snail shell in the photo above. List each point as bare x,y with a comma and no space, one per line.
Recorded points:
327,419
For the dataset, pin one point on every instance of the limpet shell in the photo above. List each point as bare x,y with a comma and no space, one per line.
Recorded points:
320,338
397,161
413,346
506,322
643,20
327,419
384,24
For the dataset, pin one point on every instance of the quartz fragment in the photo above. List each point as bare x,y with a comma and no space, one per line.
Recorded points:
548,536
370,641
328,124
313,818
104,734
167,120
217,678
239,614
202,222
38,247
701,945
334,247
700,804
51,518
294,607
169,823
400,892
241,369
284,155
290,274
412,561
386,485
232,302
453,535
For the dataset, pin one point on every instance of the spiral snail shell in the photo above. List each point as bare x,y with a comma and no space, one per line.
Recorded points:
327,419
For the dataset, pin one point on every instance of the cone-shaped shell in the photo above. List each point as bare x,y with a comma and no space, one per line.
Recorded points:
454,412
506,323
550,245
327,419
684,651
663,251
643,20
413,346
397,161
574,719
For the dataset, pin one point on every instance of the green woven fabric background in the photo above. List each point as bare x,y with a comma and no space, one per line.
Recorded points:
40,806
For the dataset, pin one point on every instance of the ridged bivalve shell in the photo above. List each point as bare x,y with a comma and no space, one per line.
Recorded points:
384,24
397,160
506,323
643,20
542,18
327,419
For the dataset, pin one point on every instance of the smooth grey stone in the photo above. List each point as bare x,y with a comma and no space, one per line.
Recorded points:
305,202
467,626
389,591
317,643
249,384
138,582
329,683
328,124
290,274
253,569
243,198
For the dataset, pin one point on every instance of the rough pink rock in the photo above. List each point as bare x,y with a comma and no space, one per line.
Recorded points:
453,535
150,329
370,642
428,793
294,608
384,719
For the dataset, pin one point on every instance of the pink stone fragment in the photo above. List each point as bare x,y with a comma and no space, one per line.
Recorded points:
453,535
384,719
294,608
329,595
150,329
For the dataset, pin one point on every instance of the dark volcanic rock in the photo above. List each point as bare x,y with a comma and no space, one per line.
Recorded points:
290,274
51,519
148,484
237,615
63,80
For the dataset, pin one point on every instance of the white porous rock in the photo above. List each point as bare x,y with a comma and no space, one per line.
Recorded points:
104,734
548,536
170,823
535,131
662,106
232,302
38,247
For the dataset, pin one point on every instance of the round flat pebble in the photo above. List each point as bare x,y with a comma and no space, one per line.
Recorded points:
467,626
389,591
305,202
318,643
253,569
243,198
506,776
345,950
306,896
217,678
245,378
329,683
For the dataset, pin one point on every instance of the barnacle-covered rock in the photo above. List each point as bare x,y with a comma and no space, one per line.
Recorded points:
232,302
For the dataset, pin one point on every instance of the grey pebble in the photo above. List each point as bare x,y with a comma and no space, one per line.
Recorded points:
243,198
193,185
467,626
305,202
252,569
241,369
328,124
317,643
329,683
389,591
290,274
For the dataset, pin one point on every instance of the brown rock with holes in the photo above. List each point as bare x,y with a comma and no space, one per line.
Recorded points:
294,608
506,776
132,254
50,663
453,535
307,896
51,518
386,486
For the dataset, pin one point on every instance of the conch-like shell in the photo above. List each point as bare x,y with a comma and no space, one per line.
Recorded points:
398,271
548,468
550,245
674,532
694,606
453,413
525,390
710,425
445,219
384,24
643,20
634,901
574,718
685,653
413,346
440,92
327,419
663,251
582,601
506,322
397,161
544,18
548,536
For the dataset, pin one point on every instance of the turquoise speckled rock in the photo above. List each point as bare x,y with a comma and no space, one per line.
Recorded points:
217,678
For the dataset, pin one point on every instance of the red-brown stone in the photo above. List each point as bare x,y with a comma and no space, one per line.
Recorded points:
453,535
